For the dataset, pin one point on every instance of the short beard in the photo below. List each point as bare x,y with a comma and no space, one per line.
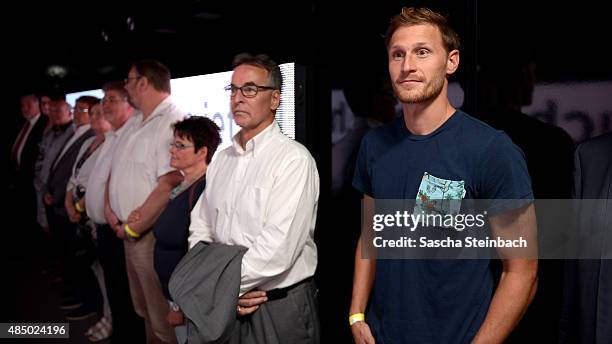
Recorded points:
432,91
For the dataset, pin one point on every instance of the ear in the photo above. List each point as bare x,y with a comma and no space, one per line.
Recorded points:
142,83
452,62
275,101
202,153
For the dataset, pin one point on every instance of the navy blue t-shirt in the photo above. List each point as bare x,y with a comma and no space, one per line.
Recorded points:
436,301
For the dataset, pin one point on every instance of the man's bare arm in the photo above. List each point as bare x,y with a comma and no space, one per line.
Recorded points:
518,282
73,215
111,217
365,269
155,203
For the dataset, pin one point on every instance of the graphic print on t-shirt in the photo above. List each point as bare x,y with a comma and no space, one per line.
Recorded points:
439,196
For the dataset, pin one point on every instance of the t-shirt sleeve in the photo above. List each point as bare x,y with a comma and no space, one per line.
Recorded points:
362,178
504,178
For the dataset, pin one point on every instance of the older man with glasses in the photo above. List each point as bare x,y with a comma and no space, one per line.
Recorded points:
262,193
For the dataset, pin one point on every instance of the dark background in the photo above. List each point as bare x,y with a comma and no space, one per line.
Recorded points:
96,41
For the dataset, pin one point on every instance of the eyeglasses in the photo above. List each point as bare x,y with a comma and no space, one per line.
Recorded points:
179,146
82,110
127,80
249,91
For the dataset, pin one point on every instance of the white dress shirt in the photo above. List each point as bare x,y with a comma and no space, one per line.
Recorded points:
265,198
96,183
142,156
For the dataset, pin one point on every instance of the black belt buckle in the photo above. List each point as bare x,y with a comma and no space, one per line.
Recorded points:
276,294
280,293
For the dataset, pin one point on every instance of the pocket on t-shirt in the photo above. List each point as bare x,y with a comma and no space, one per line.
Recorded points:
439,196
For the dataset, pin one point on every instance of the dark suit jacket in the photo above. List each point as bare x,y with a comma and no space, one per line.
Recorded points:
29,154
60,174
22,179
587,306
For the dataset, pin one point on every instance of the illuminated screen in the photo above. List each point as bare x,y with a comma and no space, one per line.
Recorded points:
204,95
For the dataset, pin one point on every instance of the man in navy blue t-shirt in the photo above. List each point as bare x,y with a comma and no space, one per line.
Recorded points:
439,301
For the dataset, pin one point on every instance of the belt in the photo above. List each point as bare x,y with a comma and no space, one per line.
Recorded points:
101,225
280,293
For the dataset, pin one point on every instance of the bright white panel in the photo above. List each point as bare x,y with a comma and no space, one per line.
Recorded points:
204,95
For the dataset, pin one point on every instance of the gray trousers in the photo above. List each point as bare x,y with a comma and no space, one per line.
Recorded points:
291,318
296,316
181,333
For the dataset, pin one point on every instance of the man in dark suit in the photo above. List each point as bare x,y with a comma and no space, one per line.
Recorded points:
587,306
25,148
61,168
24,154
79,278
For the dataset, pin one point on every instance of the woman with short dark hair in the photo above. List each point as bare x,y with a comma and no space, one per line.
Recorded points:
195,141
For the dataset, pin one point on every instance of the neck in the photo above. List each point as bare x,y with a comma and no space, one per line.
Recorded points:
29,118
151,102
246,134
424,118
61,124
120,122
194,172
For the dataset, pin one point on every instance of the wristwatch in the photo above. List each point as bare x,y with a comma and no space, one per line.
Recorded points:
174,306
